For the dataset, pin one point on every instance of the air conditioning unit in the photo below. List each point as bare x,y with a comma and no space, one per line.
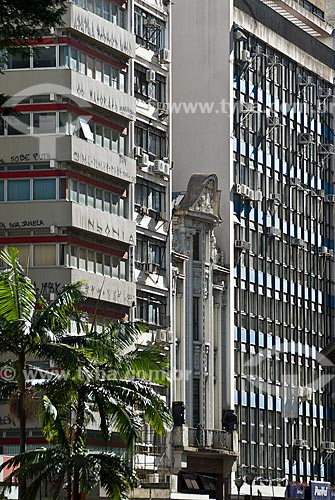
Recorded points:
248,107
305,139
161,336
305,81
320,193
300,443
244,190
325,149
153,478
305,393
163,110
165,56
150,75
328,446
143,210
276,198
323,251
161,168
272,121
169,337
258,195
247,192
150,268
238,188
245,55
258,50
294,181
330,252
273,232
330,198
243,245
298,242
137,151
143,160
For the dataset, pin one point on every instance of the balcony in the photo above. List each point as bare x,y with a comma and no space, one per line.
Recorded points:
90,25
30,149
86,91
201,440
51,279
210,439
67,214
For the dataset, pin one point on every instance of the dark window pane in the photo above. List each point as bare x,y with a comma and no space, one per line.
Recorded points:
18,125
18,190
44,189
44,57
19,58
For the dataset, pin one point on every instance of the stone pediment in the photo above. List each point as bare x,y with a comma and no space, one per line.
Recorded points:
202,195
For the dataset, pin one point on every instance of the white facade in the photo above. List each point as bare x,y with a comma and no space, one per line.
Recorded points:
70,162
229,118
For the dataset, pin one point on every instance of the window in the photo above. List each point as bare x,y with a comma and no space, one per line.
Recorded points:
97,262
196,246
91,196
150,195
82,63
153,90
44,189
151,310
24,255
196,402
86,129
98,70
196,334
18,190
18,125
74,59
64,56
32,188
151,139
105,9
150,251
146,35
44,123
19,58
44,57
44,255
68,123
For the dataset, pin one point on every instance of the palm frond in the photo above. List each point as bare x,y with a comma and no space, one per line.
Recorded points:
122,334
115,475
55,316
37,466
17,292
66,357
145,399
149,363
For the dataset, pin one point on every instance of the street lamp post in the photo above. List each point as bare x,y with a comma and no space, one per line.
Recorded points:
249,480
239,483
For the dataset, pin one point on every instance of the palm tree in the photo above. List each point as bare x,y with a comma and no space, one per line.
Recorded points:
29,326
118,390
106,375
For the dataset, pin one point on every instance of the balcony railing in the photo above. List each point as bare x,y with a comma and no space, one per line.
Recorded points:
210,439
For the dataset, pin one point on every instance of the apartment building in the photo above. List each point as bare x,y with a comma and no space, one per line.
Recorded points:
261,74
85,166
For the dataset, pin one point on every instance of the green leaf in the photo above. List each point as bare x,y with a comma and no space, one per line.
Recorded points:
17,292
